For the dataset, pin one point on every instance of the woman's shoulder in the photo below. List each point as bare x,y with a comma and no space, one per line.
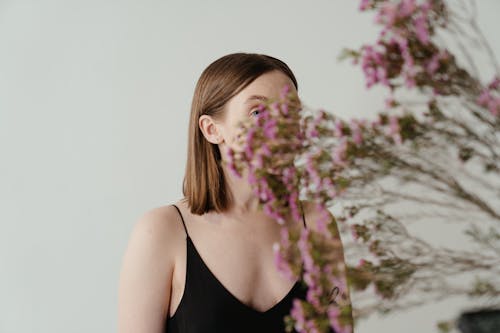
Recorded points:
161,225
147,269
157,236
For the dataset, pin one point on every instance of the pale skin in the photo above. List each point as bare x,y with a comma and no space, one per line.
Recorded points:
240,240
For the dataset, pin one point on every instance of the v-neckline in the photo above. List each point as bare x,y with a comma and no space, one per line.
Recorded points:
232,296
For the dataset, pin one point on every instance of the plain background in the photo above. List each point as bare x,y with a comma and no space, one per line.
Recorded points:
94,105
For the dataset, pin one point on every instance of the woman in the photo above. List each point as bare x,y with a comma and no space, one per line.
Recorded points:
205,263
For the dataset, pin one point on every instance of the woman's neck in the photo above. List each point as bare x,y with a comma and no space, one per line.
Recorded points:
243,199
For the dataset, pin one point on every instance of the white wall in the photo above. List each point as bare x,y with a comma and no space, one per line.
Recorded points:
94,105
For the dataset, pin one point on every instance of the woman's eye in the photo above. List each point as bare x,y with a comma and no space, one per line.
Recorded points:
256,110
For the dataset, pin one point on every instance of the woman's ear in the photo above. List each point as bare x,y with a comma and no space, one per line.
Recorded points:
210,129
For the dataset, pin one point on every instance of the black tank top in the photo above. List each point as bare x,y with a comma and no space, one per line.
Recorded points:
206,306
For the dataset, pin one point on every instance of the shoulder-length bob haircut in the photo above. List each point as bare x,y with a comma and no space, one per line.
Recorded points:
204,185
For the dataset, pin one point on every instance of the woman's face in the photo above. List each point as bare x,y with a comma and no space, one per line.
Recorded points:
242,107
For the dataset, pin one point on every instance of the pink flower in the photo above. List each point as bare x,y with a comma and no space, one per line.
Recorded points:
260,161
387,14
311,326
284,237
312,297
293,206
356,132
320,116
264,191
303,246
251,177
284,108
382,75
421,28
265,150
284,91
288,174
273,214
409,70
483,97
494,84
297,313
372,61
394,129
231,163
426,6
338,128
275,107
249,140
321,223
433,64
364,5
339,153
312,172
281,263
328,185
492,103
409,81
407,7
334,313
270,129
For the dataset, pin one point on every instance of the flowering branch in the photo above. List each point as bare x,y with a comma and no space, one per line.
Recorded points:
439,157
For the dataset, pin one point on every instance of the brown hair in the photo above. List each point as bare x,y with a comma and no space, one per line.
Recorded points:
204,185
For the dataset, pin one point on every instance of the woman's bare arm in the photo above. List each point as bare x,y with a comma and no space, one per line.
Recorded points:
312,214
146,273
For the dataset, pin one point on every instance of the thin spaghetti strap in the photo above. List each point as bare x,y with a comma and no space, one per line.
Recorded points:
303,217
184,224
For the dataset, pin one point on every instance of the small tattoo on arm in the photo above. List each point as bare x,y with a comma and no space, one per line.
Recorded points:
333,294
